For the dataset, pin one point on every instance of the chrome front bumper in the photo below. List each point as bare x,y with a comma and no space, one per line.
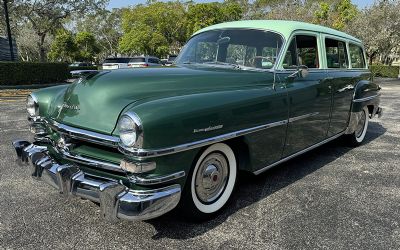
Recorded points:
116,200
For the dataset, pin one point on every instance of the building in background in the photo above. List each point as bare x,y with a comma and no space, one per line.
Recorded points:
5,49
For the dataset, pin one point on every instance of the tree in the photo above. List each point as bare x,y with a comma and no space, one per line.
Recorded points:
108,30
160,28
157,28
379,28
337,14
46,16
87,47
206,14
63,47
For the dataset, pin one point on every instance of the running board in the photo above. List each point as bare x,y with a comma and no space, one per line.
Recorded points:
298,153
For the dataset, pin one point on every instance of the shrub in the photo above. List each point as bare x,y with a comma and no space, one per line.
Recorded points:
26,73
380,70
23,73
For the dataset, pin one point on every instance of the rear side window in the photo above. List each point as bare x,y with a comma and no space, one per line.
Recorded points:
357,57
336,54
303,50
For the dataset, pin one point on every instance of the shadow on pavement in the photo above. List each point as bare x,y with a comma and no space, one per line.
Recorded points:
251,189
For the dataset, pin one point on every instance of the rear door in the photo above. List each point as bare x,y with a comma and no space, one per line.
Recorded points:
309,97
341,79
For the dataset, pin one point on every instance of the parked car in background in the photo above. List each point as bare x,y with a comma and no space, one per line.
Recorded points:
243,96
81,64
144,61
116,63
164,61
170,60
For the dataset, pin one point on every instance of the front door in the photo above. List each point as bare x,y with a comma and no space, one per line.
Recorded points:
309,97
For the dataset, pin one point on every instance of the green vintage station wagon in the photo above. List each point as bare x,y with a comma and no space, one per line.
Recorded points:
242,96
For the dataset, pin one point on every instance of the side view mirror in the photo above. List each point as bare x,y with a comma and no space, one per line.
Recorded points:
302,71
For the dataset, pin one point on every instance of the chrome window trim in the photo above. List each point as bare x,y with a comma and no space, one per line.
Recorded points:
85,135
150,153
366,98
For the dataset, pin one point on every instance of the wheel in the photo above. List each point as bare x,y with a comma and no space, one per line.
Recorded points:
210,183
356,138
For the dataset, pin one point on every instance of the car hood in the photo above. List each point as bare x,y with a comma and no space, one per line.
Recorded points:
96,102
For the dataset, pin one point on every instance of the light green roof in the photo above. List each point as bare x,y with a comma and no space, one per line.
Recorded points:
284,27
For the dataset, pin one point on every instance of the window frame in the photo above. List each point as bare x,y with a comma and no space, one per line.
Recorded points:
289,41
361,46
327,36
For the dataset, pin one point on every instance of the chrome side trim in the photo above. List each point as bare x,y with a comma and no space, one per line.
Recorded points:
156,180
301,117
298,153
148,153
366,98
86,135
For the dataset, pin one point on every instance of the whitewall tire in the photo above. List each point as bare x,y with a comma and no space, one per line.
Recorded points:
211,182
358,136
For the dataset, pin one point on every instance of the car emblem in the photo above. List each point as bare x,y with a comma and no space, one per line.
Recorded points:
211,128
72,107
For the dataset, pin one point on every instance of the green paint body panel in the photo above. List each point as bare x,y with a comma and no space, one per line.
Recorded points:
174,102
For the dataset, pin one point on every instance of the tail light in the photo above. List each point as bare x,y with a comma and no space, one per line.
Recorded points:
144,65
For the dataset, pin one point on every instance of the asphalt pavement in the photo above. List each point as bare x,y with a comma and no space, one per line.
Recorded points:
334,197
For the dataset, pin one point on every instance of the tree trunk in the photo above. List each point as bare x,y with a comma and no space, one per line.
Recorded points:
42,50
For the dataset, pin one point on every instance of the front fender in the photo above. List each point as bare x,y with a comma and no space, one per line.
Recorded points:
46,96
184,119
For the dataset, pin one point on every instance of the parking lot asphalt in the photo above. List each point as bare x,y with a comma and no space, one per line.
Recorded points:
334,197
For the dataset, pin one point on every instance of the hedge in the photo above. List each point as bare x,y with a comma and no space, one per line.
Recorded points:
26,73
380,70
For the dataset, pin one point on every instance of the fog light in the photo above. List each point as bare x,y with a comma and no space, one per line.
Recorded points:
137,167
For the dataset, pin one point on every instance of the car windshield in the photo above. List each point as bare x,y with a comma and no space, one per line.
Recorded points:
232,47
137,59
117,60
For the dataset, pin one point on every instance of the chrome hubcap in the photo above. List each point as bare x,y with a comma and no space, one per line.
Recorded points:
211,177
361,124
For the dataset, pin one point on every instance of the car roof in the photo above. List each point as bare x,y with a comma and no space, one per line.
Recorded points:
284,27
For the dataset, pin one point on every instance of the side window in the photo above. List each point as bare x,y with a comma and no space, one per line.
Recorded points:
336,54
357,57
241,55
303,50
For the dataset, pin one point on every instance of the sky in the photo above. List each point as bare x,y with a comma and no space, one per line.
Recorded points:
124,3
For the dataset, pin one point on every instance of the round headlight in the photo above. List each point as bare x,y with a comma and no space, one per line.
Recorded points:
127,131
32,106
